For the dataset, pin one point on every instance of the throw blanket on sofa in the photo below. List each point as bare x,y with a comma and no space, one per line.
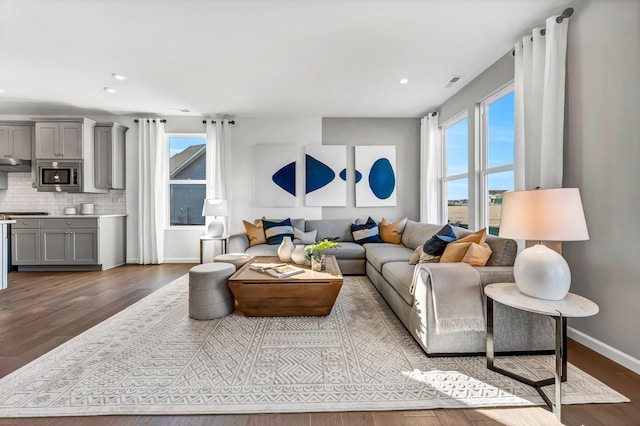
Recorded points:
457,295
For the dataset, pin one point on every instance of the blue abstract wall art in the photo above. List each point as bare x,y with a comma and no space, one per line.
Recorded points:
275,175
325,174
376,185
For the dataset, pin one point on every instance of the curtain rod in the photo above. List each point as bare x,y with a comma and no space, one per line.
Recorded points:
568,12
137,121
214,121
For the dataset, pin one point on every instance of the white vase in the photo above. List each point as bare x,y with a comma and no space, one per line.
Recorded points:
285,249
298,255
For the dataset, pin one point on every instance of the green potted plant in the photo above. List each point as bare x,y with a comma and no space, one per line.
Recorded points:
315,253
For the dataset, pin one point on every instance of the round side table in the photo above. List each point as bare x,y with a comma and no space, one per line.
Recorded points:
571,306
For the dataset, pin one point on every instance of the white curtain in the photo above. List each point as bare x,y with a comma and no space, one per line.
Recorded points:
429,169
218,161
152,163
540,67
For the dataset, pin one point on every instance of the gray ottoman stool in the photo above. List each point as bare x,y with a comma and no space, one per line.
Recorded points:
209,294
236,259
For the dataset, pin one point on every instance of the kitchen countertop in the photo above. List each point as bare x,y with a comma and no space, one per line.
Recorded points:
64,216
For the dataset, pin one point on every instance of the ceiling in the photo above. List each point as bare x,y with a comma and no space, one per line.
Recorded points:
330,58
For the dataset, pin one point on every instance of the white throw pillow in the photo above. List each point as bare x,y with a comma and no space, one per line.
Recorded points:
301,237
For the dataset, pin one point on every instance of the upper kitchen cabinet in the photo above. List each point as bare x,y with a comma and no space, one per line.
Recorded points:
63,138
16,139
109,142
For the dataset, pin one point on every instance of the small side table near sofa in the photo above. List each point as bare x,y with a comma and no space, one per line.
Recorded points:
571,306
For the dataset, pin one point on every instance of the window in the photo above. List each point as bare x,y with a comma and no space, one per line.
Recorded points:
456,176
497,143
187,179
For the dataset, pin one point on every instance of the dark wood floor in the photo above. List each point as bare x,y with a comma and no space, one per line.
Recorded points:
39,311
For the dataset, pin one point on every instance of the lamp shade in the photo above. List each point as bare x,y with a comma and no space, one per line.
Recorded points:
543,215
214,207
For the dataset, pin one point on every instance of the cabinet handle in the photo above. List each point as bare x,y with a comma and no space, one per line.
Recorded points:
71,233
25,223
68,223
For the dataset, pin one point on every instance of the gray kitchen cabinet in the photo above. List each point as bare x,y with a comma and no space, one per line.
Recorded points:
25,246
74,243
109,166
25,242
63,139
69,246
16,140
70,241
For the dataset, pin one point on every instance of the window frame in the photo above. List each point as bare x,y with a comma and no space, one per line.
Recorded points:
169,181
445,179
485,170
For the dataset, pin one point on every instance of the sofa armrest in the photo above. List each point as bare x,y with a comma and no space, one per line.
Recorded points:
238,243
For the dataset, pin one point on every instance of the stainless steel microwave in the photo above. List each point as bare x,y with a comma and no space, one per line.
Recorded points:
59,176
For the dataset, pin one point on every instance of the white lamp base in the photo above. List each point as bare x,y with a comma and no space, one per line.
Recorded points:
542,273
216,228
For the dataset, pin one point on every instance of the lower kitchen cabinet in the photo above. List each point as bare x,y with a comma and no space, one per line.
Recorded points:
68,243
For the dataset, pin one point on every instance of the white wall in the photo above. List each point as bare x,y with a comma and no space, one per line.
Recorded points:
248,132
404,134
601,158
602,152
182,245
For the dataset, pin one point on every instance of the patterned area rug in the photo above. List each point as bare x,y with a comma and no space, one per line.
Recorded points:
152,359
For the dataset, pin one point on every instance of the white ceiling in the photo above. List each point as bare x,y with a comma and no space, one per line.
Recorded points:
331,58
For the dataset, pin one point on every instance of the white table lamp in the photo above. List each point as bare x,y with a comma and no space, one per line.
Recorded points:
216,208
543,215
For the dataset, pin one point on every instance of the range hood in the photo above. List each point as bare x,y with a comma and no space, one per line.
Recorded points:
14,165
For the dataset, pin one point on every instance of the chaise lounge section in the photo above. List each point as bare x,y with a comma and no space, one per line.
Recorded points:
387,266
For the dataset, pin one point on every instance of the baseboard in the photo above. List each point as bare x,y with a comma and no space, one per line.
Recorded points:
172,260
605,350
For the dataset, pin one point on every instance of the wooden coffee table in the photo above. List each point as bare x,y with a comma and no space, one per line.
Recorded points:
311,293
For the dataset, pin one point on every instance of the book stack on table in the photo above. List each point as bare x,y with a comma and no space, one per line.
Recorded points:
278,270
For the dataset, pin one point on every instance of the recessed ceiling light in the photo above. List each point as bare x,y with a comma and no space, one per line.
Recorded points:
2,90
118,76
404,80
110,90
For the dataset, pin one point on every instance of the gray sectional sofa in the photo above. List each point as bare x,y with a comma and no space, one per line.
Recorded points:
388,268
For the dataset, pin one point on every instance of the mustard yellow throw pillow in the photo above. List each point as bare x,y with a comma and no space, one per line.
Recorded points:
477,254
455,251
255,232
392,232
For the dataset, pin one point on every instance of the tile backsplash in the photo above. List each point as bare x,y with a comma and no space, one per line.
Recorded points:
21,196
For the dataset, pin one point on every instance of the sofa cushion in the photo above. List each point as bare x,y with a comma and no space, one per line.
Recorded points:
399,275
301,237
331,228
347,250
380,253
263,250
276,231
416,233
392,232
366,233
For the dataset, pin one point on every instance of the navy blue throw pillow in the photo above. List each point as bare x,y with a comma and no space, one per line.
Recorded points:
435,245
276,231
366,233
